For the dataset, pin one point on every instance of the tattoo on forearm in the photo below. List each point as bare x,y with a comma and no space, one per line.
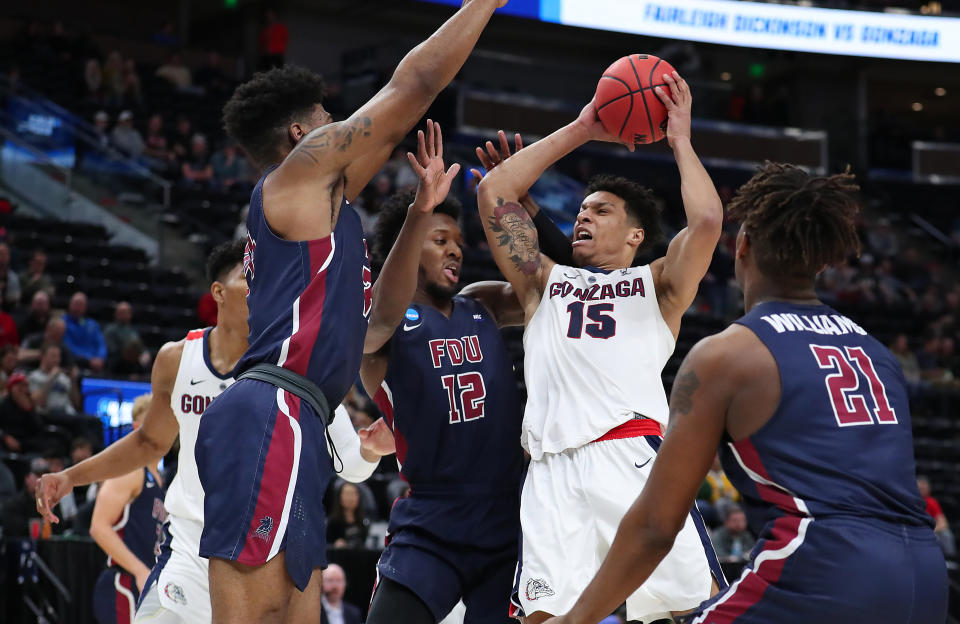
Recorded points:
338,138
681,397
515,231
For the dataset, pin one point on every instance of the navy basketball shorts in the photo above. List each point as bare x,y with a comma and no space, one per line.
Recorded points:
842,570
263,461
443,574
115,597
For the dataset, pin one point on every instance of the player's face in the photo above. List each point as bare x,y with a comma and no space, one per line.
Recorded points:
603,232
232,299
441,257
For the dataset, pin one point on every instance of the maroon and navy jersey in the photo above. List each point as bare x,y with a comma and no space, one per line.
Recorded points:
140,526
309,300
840,442
451,399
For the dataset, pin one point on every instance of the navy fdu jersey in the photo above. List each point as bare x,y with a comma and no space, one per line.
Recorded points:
451,398
840,442
309,300
140,526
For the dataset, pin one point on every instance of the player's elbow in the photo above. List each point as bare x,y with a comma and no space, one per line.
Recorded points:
709,221
98,531
152,449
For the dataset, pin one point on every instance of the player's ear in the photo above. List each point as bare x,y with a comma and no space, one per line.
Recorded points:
216,289
743,244
296,132
636,237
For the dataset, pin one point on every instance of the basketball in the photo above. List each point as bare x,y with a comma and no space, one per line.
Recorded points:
626,102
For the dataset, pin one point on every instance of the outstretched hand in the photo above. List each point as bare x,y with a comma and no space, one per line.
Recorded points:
590,119
489,158
428,165
678,102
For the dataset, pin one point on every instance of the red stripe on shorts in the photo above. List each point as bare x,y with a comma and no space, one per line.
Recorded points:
633,428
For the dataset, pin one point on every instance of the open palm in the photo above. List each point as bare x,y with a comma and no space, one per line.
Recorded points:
428,165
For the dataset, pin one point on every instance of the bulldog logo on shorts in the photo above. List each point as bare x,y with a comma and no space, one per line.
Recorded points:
175,593
265,528
538,588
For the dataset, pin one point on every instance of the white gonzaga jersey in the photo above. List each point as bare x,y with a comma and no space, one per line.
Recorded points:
594,351
197,385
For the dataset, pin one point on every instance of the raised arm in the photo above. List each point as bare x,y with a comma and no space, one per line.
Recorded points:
554,244
397,283
677,275
344,156
141,447
698,405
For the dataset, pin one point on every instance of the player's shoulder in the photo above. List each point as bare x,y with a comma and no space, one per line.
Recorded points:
167,364
732,353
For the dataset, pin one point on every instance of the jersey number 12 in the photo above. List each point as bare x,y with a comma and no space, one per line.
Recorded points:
473,394
843,384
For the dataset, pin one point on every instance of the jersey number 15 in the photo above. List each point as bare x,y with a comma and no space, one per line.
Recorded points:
844,386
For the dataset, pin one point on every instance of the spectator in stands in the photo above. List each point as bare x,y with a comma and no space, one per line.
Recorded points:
211,76
120,331
175,72
93,81
21,427
9,282
53,390
892,289
54,334
113,79
941,528
133,360
35,318
196,171
347,525
18,510
949,359
166,35
333,610
900,347
101,123
928,359
80,449
83,336
722,492
131,83
240,232
8,330
883,241
273,41
126,137
35,278
732,541
9,361
229,166
156,144
181,138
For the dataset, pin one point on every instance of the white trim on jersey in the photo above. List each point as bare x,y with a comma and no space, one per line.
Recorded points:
292,481
123,591
753,475
766,555
122,522
387,391
326,263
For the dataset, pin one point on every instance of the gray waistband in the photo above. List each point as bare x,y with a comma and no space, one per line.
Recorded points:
293,383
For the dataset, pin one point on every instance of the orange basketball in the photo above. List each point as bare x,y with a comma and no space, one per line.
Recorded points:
625,100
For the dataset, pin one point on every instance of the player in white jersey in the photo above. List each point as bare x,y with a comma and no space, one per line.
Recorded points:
187,376
596,341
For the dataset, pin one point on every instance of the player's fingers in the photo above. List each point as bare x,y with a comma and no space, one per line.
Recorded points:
438,136
492,152
669,103
517,142
453,171
476,174
674,89
504,145
415,165
421,146
484,159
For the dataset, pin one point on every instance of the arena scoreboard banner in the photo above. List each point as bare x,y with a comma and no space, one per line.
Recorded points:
759,25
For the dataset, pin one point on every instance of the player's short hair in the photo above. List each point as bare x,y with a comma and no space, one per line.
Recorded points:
223,258
797,223
140,406
640,204
393,212
261,109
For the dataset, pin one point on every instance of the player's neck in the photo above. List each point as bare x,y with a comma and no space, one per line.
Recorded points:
442,305
786,290
227,345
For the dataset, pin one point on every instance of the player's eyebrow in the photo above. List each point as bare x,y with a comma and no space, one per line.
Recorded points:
595,204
